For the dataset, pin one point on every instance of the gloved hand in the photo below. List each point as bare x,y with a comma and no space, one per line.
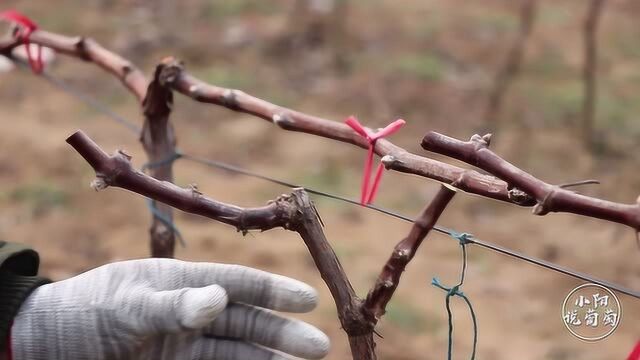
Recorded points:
167,309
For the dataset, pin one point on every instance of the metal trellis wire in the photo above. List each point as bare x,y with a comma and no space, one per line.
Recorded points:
469,239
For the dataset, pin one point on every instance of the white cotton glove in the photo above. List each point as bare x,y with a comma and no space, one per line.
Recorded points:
167,309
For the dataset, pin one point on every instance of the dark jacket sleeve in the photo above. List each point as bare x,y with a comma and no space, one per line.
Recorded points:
18,278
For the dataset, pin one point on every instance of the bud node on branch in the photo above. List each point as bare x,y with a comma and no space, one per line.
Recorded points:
282,120
402,254
126,70
229,99
542,208
520,197
98,183
390,161
170,70
81,47
481,141
549,198
389,278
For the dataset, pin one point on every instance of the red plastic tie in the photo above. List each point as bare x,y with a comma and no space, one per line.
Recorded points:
635,354
367,195
26,27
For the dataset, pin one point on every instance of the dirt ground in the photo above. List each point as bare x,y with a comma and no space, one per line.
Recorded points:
429,62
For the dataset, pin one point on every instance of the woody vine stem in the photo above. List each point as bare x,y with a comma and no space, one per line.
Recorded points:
295,211
500,186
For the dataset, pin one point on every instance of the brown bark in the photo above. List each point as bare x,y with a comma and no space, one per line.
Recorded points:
349,306
394,157
89,50
116,170
294,212
174,76
550,198
159,142
157,136
389,278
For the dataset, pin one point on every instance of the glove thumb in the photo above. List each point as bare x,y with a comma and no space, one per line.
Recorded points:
183,309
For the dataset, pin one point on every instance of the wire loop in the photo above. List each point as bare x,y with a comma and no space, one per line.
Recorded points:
151,204
463,239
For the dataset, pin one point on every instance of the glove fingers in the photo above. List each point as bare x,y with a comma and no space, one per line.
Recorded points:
263,289
243,284
266,328
219,349
176,310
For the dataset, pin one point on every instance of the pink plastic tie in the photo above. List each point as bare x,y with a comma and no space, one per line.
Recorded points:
368,195
26,27
635,353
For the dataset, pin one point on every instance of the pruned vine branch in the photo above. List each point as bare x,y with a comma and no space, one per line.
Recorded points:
173,75
393,156
116,170
399,159
396,158
293,212
157,135
159,142
549,198
403,252
87,49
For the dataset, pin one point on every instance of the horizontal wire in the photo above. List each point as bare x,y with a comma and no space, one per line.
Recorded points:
557,268
440,229
92,103
239,170
99,107
85,99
